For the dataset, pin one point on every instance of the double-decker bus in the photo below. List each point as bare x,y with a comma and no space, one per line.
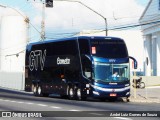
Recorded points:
79,67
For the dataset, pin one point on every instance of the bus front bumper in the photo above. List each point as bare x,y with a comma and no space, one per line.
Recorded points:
110,92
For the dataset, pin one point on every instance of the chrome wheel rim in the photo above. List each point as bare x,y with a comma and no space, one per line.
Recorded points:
39,90
79,93
34,89
71,92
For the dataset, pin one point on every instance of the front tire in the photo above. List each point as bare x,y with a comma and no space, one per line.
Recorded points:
127,99
71,93
79,95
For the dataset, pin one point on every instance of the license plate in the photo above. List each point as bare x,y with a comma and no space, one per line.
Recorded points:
113,94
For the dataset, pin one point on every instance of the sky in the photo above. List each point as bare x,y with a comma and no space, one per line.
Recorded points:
68,18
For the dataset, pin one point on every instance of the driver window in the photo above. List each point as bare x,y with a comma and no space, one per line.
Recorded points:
86,66
87,72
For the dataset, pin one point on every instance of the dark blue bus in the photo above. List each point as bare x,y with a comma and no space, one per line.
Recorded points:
78,68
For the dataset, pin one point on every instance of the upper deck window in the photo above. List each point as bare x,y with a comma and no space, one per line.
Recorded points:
109,48
84,46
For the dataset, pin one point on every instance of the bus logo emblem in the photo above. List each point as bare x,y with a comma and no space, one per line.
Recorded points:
112,60
36,58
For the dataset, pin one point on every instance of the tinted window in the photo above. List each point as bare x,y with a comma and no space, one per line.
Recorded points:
84,46
109,48
62,48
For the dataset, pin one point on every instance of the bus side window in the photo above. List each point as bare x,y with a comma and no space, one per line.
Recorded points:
86,66
87,73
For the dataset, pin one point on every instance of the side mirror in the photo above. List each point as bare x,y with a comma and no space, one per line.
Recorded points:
134,61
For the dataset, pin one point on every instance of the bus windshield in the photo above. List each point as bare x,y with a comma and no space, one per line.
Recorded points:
111,72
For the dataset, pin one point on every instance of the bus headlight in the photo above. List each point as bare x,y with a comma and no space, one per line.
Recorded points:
126,85
96,93
127,93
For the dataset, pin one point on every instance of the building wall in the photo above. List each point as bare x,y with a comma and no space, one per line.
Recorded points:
13,40
152,52
151,33
152,10
12,80
158,54
147,55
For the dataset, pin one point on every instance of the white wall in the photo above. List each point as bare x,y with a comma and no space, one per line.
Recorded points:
158,54
13,80
152,51
151,34
147,48
13,40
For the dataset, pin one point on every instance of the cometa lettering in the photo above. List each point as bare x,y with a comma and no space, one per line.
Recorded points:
63,61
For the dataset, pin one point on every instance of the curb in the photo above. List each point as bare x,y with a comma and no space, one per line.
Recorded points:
145,100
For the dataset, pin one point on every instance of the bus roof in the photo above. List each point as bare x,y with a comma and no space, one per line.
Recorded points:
75,38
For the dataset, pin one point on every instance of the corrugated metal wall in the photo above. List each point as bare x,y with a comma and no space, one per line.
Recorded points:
13,80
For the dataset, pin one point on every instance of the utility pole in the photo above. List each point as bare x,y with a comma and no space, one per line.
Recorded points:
49,4
45,3
43,22
106,26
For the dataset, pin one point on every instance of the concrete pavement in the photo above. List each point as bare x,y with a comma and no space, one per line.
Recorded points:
149,94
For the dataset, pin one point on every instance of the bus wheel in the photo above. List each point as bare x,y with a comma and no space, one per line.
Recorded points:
71,94
127,99
35,90
79,95
39,91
